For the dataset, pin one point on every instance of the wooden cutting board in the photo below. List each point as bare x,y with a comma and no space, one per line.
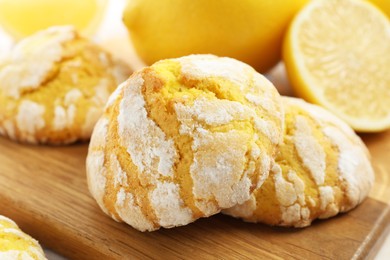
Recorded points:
44,190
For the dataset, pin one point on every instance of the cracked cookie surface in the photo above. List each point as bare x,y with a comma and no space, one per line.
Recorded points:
53,87
14,244
183,139
321,169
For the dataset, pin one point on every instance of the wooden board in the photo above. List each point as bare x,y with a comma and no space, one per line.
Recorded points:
44,190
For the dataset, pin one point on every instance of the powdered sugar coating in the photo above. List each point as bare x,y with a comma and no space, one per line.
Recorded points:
120,178
184,151
290,194
131,213
91,118
310,151
30,119
166,201
204,66
258,90
18,245
95,163
268,128
64,115
72,96
323,168
354,166
217,162
30,68
8,220
353,161
14,254
261,93
215,112
327,200
150,150
62,74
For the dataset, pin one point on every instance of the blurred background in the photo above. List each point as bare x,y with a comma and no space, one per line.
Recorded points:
227,28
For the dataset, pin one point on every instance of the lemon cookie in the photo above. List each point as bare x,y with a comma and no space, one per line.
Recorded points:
53,87
14,244
322,168
183,139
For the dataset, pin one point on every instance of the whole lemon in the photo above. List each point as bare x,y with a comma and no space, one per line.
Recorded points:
22,18
248,30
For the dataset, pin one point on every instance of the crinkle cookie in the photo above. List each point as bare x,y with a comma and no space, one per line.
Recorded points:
14,244
183,139
322,168
53,87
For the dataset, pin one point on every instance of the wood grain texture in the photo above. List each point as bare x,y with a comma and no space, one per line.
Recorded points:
44,190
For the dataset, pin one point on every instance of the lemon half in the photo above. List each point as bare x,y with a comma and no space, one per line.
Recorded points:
337,54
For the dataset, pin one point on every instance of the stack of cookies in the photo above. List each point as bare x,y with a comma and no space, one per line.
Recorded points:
182,139
190,137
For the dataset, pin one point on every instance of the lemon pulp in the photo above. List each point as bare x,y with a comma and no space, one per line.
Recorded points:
337,54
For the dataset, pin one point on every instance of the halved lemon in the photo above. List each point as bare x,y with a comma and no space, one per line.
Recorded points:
337,54
21,18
